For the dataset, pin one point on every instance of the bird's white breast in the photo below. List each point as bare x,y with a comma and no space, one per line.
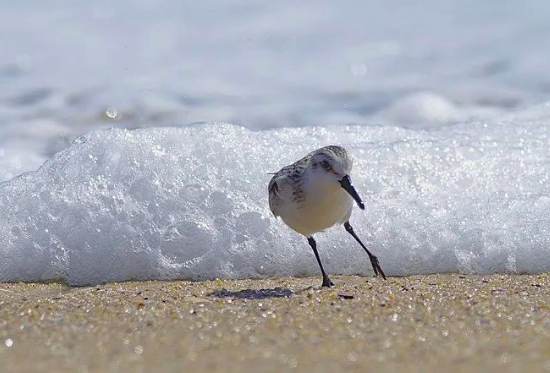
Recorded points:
324,205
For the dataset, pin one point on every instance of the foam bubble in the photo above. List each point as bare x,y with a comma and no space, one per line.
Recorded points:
191,203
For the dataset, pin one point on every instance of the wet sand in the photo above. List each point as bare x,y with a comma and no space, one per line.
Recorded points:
420,323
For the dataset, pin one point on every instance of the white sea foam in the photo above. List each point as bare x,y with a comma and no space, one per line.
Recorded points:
191,203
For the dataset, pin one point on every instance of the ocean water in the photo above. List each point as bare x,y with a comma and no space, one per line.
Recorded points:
191,203
117,164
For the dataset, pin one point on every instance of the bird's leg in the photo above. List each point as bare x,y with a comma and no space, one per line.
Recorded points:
326,280
373,259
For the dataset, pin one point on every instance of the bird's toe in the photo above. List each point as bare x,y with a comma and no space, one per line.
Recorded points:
327,283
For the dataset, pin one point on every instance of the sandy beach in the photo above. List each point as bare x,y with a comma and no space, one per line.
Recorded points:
420,323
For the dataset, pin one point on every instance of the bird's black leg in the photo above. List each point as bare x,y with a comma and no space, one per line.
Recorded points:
373,259
326,280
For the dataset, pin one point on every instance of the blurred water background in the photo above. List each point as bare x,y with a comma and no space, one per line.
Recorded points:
67,67
443,105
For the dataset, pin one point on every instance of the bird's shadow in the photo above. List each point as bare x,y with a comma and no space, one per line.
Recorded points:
253,293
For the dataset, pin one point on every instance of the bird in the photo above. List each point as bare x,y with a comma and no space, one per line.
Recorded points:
316,193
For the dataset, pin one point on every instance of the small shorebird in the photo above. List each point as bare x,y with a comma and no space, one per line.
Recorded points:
316,193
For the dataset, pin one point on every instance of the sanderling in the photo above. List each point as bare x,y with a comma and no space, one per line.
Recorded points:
316,193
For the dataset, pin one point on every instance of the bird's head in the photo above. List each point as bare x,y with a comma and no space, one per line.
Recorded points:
332,165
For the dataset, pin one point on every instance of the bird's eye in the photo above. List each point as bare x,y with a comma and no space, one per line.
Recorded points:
325,165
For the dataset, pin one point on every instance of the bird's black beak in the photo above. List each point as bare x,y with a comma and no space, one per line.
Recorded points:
346,184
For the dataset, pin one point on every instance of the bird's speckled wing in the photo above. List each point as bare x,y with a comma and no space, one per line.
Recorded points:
286,185
275,197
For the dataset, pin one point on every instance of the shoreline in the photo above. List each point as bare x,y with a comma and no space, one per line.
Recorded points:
419,323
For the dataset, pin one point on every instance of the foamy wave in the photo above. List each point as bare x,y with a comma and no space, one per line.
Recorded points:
191,203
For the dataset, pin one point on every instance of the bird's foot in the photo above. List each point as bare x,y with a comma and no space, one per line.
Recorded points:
376,267
326,282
